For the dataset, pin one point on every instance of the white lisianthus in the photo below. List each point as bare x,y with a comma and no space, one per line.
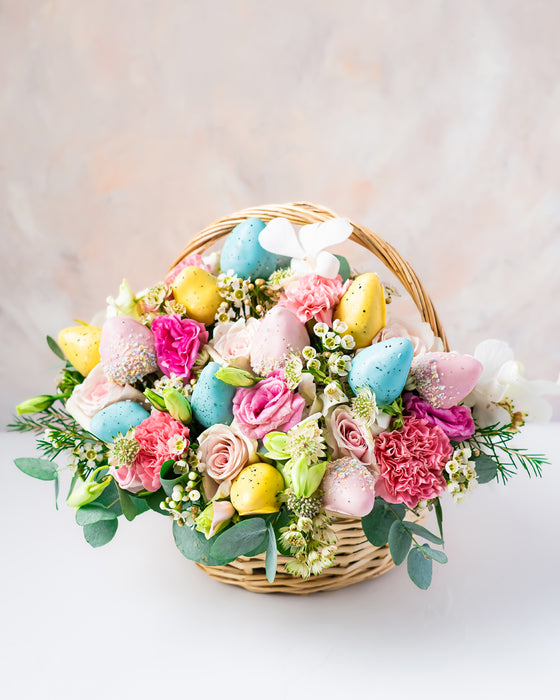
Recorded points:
503,390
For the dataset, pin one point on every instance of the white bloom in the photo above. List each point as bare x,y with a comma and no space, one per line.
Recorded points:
232,342
331,396
306,248
502,381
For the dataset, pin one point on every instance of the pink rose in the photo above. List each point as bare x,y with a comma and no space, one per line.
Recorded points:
313,296
193,260
96,392
418,332
232,342
267,406
348,437
411,462
223,451
456,422
177,343
158,437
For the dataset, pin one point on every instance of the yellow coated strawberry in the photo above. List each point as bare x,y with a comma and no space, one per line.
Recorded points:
362,308
256,489
199,293
80,344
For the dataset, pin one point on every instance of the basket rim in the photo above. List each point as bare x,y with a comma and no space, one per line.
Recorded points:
301,213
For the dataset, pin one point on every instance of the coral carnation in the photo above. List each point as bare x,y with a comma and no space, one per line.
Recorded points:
411,462
160,437
313,296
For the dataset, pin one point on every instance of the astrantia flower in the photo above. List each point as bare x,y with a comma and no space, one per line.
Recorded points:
364,406
306,440
502,390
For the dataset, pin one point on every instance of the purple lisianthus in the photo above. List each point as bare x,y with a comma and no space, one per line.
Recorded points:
177,343
456,422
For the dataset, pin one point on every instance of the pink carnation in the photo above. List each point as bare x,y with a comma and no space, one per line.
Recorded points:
267,406
456,422
313,296
177,343
160,437
193,260
411,462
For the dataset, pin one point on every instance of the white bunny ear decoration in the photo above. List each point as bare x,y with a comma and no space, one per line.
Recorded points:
307,249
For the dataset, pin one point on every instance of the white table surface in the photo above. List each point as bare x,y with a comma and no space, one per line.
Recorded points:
136,620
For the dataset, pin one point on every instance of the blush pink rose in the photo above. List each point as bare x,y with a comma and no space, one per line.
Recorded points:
348,437
267,406
456,422
411,462
313,296
193,260
223,451
232,340
96,392
157,437
177,343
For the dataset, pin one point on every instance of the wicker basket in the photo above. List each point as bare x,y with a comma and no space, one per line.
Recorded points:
356,560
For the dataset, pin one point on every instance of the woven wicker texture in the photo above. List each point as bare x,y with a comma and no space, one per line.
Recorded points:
356,560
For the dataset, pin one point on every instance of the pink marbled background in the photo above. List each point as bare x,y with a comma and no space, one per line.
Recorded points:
127,126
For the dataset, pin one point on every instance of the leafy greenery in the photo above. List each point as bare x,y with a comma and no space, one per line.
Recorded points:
399,540
419,568
244,538
99,533
377,523
194,546
486,468
494,440
90,514
43,469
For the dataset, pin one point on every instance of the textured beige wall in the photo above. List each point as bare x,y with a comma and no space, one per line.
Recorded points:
127,125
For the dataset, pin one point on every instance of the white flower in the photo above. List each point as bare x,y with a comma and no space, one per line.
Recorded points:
332,396
502,386
306,248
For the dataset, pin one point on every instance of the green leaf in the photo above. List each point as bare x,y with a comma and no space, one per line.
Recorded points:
99,533
439,517
127,505
193,545
376,525
399,540
486,468
283,520
271,555
435,554
419,568
55,347
153,501
42,469
242,539
90,514
417,529
109,499
56,490
168,483
139,504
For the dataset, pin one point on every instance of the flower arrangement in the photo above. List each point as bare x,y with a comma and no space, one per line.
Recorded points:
256,396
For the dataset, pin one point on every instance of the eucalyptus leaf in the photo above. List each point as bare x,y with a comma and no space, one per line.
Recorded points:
153,501
399,540
242,539
271,555
377,523
109,499
90,514
55,347
139,504
42,469
421,531
419,568
168,482
283,520
439,517
435,554
99,533
127,505
193,545
486,468
56,490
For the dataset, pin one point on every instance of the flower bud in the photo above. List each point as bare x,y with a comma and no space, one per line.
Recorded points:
35,404
155,399
236,377
88,492
177,405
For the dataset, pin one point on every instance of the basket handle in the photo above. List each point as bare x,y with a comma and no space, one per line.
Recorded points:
302,213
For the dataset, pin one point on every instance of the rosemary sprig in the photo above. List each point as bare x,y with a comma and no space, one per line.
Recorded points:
494,440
